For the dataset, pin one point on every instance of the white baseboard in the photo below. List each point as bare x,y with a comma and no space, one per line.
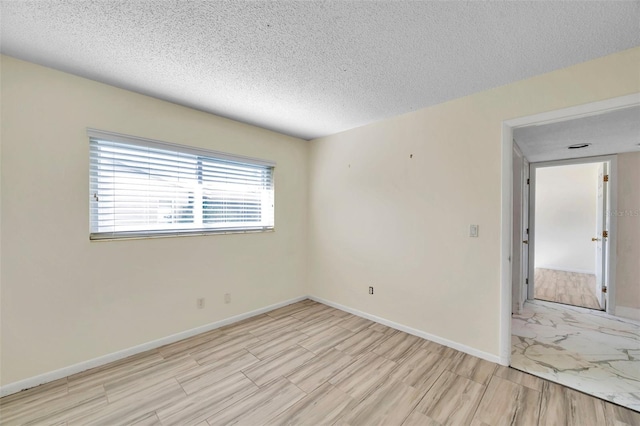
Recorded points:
115,356
631,313
419,333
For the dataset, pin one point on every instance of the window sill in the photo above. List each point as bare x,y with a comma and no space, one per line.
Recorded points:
101,238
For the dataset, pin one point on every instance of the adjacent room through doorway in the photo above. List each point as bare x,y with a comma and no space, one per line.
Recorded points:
569,255
575,289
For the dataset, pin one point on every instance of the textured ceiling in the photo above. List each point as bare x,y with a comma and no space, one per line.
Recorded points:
310,68
609,133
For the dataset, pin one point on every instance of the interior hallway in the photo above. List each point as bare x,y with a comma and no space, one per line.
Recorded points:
580,348
570,288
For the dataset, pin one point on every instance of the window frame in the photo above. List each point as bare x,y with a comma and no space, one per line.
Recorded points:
182,149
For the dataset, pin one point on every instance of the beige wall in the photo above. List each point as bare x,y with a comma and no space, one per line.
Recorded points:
376,217
628,246
65,299
566,205
400,224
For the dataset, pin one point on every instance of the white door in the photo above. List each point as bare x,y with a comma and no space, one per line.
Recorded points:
526,280
516,255
601,238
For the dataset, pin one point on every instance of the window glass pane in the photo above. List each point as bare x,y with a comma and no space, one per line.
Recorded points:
145,190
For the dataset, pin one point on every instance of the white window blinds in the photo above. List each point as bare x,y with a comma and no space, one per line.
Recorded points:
146,188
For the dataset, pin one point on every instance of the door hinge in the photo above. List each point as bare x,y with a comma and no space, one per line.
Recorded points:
526,280
605,234
528,180
604,289
527,231
605,178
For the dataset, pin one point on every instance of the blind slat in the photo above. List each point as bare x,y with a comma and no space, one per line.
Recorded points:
139,190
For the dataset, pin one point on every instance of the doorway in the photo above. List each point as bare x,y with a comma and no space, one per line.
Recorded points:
569,241
571,345
514,285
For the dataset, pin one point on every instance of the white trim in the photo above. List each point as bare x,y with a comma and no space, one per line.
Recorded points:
419,333
31,382
573,161
613,237
532,230
506,251
506,195
579,111
524,275
630,313
517,248
115,356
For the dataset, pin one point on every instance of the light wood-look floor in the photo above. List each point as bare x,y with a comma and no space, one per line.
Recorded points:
570,288
307,364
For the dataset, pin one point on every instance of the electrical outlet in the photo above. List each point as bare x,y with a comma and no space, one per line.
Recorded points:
473,231
370,290
200,303
227,298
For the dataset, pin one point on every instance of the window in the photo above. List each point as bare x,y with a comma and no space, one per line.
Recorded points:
143,188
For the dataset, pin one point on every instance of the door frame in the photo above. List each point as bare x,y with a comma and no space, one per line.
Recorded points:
526,191
506,189
520,252
517,247
610,254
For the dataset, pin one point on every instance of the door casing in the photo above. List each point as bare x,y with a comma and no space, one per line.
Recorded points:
517,256
520,256
602,224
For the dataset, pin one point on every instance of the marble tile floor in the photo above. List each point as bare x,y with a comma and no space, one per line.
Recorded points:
586,350
570,288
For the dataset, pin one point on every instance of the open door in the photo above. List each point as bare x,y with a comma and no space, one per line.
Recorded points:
525,232
602,236
520,236
516,255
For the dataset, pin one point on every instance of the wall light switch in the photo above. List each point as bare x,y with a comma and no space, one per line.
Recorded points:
473,231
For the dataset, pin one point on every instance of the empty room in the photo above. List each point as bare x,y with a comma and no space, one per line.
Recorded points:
319,213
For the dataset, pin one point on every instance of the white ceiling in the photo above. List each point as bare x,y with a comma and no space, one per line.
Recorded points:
608,133
313,68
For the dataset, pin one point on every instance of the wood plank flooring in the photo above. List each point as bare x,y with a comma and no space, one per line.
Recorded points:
570,288
306,364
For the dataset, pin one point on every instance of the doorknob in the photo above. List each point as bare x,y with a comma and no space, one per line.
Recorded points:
595,239
525,242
